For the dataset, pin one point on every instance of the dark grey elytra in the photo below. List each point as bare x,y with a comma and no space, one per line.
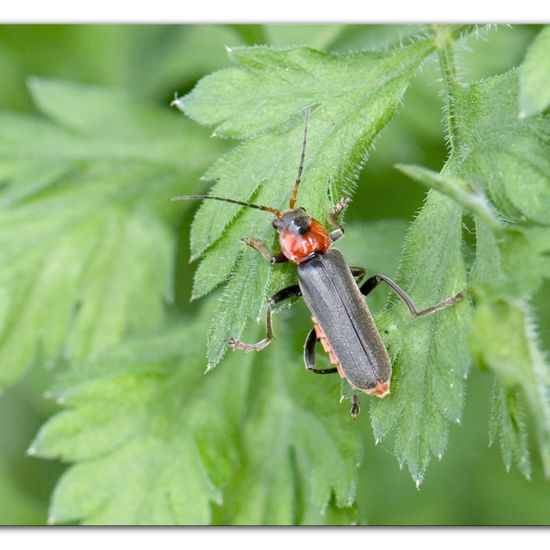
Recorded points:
342,320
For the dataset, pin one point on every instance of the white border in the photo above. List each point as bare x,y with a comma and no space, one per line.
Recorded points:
279,11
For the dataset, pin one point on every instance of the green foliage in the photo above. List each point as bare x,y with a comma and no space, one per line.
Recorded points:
507,159
506,273
253,435
85,223
146,59
293,436
263,101
430,355
505,341
507,424
511,159
87,246
506,156
152,436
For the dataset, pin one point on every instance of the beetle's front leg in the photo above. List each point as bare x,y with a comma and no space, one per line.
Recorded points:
332,218
261,247
288,292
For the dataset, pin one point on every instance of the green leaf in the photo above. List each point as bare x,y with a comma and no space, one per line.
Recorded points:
85,221
508,426
510,159
513,264
110,124
263,101
507,157
504,339
154,440
302,449
144,407
507,271
429,355
534,96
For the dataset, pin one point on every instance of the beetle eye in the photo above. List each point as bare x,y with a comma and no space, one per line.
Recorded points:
302,209
302,224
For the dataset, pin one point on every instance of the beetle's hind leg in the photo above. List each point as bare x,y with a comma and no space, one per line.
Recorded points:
355,407
309,359
309,354
371,283
288,292
357,272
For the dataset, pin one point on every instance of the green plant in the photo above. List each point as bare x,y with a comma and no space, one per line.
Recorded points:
257,440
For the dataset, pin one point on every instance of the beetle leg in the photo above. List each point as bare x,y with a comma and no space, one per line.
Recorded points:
261,247
309,360
336,234
357,272
288,292
309,354
336,210
372,282
355,408
332,218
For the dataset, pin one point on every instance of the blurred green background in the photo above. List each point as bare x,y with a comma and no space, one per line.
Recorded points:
470,485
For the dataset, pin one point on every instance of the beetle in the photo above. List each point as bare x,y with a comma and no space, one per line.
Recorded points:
342,322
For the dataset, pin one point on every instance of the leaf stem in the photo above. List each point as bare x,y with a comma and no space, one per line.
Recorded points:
445,38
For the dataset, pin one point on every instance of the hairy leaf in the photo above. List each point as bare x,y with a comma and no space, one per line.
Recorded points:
263,101
144,429
504,339
508,426
512,264
507,157
495,153
506,272
302,448
430,357
153,438
85,221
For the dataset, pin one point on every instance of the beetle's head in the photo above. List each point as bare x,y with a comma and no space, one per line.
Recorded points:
301,236
294,221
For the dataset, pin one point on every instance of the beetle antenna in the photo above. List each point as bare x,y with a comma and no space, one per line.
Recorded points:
273,211
301,167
